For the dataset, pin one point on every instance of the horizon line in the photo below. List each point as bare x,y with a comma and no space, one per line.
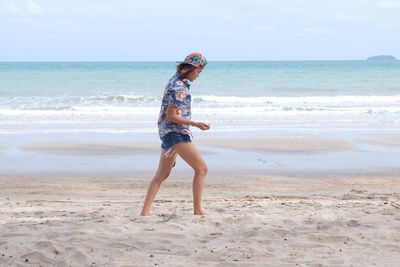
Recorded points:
159,61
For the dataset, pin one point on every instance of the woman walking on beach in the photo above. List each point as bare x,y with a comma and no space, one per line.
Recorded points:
173,127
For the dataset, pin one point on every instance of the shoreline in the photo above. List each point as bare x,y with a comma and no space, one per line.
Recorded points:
301,143
258,151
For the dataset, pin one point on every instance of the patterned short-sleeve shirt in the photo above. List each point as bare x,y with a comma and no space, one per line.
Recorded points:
176,93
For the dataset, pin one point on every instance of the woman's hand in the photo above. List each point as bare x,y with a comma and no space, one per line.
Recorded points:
174,115
202,125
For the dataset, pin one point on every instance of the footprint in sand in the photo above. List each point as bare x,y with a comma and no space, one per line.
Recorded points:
353,223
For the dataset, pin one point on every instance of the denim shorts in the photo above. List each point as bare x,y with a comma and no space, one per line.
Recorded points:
171,139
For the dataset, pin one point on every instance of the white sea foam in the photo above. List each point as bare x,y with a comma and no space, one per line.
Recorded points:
68,102
359,100
127,112
206,105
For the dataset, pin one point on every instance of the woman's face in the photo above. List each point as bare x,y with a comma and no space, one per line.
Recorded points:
194,74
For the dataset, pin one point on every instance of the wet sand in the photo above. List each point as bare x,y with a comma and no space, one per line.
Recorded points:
386,141
293,144
90,148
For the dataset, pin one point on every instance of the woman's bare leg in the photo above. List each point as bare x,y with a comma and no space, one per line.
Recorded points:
164,169
189,153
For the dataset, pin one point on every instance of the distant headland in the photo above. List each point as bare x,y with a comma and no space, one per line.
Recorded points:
382,58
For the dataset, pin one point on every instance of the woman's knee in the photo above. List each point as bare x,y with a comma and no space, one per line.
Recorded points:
201,170
161,177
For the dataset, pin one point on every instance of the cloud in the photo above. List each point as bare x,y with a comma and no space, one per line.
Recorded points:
263,28
389,4
351,17
315,31
24,8
389,27
32,22
134,29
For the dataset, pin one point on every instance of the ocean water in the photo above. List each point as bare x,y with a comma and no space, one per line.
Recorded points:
125,96
118,102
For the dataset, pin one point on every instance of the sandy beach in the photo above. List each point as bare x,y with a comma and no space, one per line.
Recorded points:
303,160
302,145
254,219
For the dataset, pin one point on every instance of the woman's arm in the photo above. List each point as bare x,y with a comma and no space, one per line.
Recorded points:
173,116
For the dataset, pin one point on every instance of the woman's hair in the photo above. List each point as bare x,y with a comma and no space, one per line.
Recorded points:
184,69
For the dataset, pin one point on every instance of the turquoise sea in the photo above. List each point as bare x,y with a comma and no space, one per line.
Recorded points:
58,91
53,101
245,79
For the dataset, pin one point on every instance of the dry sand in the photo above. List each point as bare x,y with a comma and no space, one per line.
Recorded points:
253,220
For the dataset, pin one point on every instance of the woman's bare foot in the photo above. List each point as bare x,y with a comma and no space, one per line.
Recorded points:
144,213
200,213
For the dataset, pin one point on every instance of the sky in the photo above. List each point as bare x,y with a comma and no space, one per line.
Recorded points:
167,30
